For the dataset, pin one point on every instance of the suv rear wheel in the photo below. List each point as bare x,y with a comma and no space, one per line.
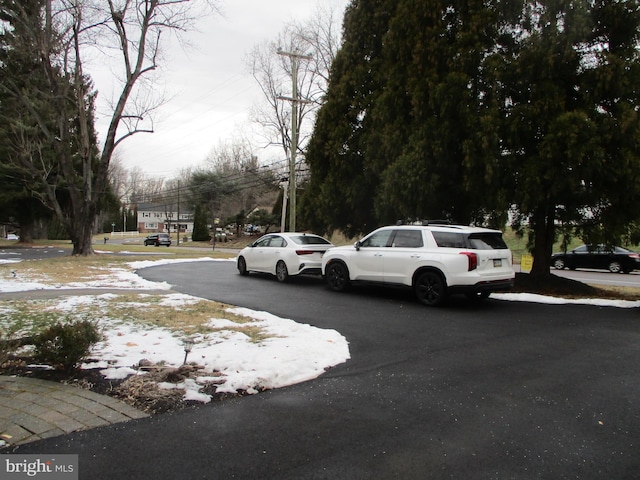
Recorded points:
337,277
430,288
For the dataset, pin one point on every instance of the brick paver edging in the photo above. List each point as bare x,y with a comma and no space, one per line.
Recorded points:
32,409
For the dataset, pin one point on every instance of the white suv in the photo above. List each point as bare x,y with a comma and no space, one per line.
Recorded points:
435,260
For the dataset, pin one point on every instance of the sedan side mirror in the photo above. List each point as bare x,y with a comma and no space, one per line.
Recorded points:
357,245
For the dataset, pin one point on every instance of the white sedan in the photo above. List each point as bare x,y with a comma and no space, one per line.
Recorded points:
284,254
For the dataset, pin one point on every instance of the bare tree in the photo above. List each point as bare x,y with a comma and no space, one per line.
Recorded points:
73,30
142,187
298,61
317,39
242,181
118,178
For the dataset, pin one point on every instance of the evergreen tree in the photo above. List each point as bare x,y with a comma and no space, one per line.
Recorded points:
343,180
569,130
399,136
426,131
48,115
200,225
464,109
21,195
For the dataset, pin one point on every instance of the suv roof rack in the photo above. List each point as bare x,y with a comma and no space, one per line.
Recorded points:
423,223
436,222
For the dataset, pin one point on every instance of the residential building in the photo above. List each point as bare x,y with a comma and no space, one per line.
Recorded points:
156,218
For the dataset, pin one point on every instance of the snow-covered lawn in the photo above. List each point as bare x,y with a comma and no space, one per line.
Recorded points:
251,350
278,352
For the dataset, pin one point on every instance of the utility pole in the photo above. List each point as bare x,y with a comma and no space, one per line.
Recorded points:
178,219
285,194
295,58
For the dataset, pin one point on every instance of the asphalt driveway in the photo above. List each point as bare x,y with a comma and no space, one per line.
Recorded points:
497,390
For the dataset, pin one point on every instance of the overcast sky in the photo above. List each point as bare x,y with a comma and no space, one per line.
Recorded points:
209,89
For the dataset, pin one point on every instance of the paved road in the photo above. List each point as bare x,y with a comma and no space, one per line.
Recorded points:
600,277
30,252
501,390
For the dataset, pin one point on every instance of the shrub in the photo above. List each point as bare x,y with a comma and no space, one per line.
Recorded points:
64,346
9,344
5,349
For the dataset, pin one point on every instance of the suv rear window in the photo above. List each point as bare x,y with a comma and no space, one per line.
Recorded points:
487,241
449,239
476,241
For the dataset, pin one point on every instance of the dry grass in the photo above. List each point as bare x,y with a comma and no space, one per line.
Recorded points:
25,316
64,269
83,269
188,318
625,293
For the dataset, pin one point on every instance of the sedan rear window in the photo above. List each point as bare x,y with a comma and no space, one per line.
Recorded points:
310,240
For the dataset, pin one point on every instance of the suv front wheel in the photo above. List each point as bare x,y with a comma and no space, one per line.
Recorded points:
430,288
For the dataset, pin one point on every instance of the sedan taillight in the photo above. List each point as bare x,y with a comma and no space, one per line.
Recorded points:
473,260
305,252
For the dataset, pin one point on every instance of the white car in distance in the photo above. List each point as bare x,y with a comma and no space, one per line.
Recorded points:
284,254
436,260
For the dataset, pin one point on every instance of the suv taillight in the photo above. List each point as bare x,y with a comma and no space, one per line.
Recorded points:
473,260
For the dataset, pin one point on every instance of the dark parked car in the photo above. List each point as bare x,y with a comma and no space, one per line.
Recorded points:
158,239
614,259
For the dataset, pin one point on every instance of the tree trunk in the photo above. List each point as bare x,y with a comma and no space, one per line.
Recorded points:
80,228
543,224
82,244
26,232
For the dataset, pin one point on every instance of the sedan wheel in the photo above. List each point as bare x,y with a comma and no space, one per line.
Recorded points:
431,289
242,266
615,267
337,277
558,264
282,274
